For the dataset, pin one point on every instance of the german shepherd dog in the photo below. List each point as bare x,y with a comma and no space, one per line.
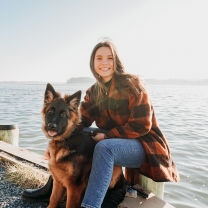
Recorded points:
71,152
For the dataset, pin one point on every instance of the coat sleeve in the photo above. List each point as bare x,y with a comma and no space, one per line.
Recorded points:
139,122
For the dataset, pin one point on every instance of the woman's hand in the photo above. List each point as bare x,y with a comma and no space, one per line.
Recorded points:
98,137
47,154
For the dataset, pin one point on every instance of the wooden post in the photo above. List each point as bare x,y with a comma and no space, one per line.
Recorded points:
9,133
133,177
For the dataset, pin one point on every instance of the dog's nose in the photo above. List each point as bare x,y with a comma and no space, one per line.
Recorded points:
52,125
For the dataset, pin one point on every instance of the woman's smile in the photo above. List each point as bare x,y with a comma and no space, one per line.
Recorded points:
104,63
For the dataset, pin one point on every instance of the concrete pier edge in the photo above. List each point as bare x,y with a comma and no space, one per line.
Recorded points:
15,155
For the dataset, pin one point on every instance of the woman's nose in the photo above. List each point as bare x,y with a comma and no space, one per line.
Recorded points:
104,61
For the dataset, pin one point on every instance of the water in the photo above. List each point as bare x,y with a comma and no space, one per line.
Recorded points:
182,115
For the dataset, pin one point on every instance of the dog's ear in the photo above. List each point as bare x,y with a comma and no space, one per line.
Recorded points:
74,100
50,93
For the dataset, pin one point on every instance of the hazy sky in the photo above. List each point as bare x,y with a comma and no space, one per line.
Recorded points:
50,40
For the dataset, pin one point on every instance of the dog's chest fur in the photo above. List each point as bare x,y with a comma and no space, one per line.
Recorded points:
71,157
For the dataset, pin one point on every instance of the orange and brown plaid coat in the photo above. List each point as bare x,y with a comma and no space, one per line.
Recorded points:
127,117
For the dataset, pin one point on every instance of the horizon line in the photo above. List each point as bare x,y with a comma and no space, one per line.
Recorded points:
196,79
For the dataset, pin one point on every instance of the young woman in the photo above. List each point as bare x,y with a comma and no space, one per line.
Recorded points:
120,106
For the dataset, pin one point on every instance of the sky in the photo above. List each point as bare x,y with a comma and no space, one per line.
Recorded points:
51,41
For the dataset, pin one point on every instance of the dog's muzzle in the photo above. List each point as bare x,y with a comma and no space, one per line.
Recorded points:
52,129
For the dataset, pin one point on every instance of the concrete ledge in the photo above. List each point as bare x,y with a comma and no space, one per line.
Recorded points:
15,154
22,154
151,202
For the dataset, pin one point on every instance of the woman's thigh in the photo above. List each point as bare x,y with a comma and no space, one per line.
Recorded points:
125,152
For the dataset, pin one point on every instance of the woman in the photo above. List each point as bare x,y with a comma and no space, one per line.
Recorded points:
120,106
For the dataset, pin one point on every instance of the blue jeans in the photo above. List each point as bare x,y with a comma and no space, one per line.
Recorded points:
109,152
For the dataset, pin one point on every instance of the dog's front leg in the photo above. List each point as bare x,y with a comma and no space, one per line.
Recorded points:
57,195
75,195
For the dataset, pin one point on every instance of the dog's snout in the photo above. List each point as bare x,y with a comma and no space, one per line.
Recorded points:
52,126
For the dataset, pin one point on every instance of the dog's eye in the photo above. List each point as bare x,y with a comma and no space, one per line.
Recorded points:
63,114
50,111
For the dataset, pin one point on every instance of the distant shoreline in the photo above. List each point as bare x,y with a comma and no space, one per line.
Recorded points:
91,81
196,82
183,82
29,82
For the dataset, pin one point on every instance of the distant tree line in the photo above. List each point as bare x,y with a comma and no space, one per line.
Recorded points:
81,80
197,82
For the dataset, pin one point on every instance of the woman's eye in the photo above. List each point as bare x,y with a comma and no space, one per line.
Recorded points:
63,114
50,111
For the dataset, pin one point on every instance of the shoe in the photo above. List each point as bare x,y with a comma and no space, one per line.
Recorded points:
39,195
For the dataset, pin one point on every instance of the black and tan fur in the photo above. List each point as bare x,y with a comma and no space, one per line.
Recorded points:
71,152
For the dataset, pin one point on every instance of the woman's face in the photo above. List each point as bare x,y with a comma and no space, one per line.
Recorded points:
103,63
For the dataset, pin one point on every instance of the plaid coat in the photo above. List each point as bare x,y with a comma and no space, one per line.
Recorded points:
126,117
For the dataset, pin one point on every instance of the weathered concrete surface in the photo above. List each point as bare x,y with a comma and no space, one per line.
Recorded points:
140,202
21,153
12,153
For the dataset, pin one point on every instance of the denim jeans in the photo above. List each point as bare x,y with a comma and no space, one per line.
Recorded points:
109,152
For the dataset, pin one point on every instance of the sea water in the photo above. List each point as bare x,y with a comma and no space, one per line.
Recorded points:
182,113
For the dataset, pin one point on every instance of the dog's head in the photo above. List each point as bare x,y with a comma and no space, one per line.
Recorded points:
60,114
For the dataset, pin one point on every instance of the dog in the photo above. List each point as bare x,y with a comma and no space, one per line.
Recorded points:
71,152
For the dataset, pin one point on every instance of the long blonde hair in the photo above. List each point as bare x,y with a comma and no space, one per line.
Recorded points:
124,81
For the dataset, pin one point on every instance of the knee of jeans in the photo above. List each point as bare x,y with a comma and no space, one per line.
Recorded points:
101,146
